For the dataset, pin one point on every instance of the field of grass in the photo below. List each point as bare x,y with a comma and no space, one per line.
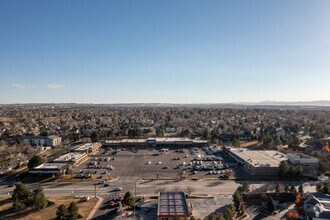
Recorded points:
48,213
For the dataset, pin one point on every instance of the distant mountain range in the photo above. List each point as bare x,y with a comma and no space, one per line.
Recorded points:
276,104
301,103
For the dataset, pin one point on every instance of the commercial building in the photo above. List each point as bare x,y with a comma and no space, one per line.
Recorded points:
308,163
73,158
257,162
170,142
49,141
172,205
266,162
88,148
50,168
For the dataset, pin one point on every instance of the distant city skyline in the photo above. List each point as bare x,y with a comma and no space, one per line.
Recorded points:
164,51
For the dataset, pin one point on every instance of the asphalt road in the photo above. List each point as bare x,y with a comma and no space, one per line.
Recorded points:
147,187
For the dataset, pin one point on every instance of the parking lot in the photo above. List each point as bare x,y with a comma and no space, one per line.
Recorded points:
152,163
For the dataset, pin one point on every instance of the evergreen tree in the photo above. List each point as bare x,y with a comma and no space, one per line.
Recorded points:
270,205
61,213
39,200
230,212
301,189
35,161
293,190
128,199
72,211
278,188
95,137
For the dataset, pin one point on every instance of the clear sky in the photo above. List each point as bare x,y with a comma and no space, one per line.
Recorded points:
184,51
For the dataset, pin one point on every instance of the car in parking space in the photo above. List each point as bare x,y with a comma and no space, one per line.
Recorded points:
223,176
160,162
167,167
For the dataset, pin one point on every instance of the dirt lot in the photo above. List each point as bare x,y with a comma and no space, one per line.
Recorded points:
144,163
47,213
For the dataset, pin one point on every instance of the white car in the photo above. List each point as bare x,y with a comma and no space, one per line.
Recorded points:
160,162
118,189
149,162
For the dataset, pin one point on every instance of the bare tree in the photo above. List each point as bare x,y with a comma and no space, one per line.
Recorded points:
177,188
190,190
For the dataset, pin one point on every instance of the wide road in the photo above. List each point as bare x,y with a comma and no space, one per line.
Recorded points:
147,187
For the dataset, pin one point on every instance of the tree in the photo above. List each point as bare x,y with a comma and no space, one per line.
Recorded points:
236,143
278,188
95,137
230,212
21,193
110,133
241,208
128,199
189,190
298,199
293,190
237,198
301,189
206,134
39,200
73,211
282,169
35,161
18,205
270,205
245,187
61,213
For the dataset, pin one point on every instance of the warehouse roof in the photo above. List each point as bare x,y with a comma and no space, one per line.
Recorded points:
259,158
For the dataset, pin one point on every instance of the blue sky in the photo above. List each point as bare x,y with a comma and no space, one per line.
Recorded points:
183,51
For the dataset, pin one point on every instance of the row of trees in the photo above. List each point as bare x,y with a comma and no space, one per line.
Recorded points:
279,189
289,171
67,213
24,197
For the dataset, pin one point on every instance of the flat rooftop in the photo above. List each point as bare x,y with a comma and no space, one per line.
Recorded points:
87,146
49,166
157,140
171,204
71,156
260,158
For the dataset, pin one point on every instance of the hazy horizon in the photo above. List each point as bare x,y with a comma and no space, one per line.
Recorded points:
164,51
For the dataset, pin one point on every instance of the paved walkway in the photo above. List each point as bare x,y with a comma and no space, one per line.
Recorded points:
97,205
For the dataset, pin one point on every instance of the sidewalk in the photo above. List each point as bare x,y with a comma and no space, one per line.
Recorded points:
97,205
